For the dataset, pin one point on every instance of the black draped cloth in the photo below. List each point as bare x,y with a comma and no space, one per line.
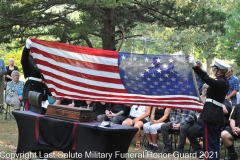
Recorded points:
55,132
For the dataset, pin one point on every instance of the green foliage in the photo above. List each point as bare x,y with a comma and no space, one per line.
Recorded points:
230,43
97,23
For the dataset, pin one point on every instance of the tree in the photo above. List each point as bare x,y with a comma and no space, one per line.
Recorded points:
230,41
89,22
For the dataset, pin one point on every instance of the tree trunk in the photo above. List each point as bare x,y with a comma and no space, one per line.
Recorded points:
108,30
209,65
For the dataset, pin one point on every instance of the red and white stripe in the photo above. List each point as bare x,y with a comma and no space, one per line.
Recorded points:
89,74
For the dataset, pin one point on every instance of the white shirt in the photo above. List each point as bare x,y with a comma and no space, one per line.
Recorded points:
137,111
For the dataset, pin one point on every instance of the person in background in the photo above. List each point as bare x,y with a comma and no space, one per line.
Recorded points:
11,67
116,113
195,131
138,117
212,114
14,91
97,107
158,117
180,123
3,72
233,87
231,133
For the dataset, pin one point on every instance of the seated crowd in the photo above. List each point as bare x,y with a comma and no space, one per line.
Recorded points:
152,120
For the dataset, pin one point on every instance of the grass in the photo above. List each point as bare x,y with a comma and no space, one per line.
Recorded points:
9,139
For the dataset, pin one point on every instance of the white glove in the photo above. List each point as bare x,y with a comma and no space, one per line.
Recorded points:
191,61
28,43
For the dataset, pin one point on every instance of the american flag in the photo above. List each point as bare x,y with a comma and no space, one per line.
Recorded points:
75,72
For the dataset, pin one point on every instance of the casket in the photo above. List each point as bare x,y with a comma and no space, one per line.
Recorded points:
70,113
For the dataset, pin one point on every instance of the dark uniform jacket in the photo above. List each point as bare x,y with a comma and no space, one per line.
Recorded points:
30,69
217,91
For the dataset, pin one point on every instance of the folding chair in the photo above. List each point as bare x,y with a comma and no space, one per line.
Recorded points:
173,137
7,112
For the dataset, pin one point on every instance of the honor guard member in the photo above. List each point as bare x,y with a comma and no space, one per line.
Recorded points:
34,79
212,114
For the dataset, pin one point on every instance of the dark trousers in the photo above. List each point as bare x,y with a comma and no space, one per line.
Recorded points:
166,129
211,140
193,133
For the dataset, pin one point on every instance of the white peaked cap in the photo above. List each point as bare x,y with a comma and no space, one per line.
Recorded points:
220,64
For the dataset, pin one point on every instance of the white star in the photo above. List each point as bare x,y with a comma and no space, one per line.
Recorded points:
135,69
171,60
165,66
149,79
160,79
123,57
163,86
153,75
159,70
146,59
158,60
172,71
125,77
156,83
140,64
137,78
134,58
129,63
180,82
147,70
152,65
141,74
166,75
173,79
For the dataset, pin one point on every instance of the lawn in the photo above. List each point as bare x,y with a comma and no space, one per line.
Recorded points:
9,139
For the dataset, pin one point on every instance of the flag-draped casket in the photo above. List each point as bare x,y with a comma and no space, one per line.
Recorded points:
75,72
